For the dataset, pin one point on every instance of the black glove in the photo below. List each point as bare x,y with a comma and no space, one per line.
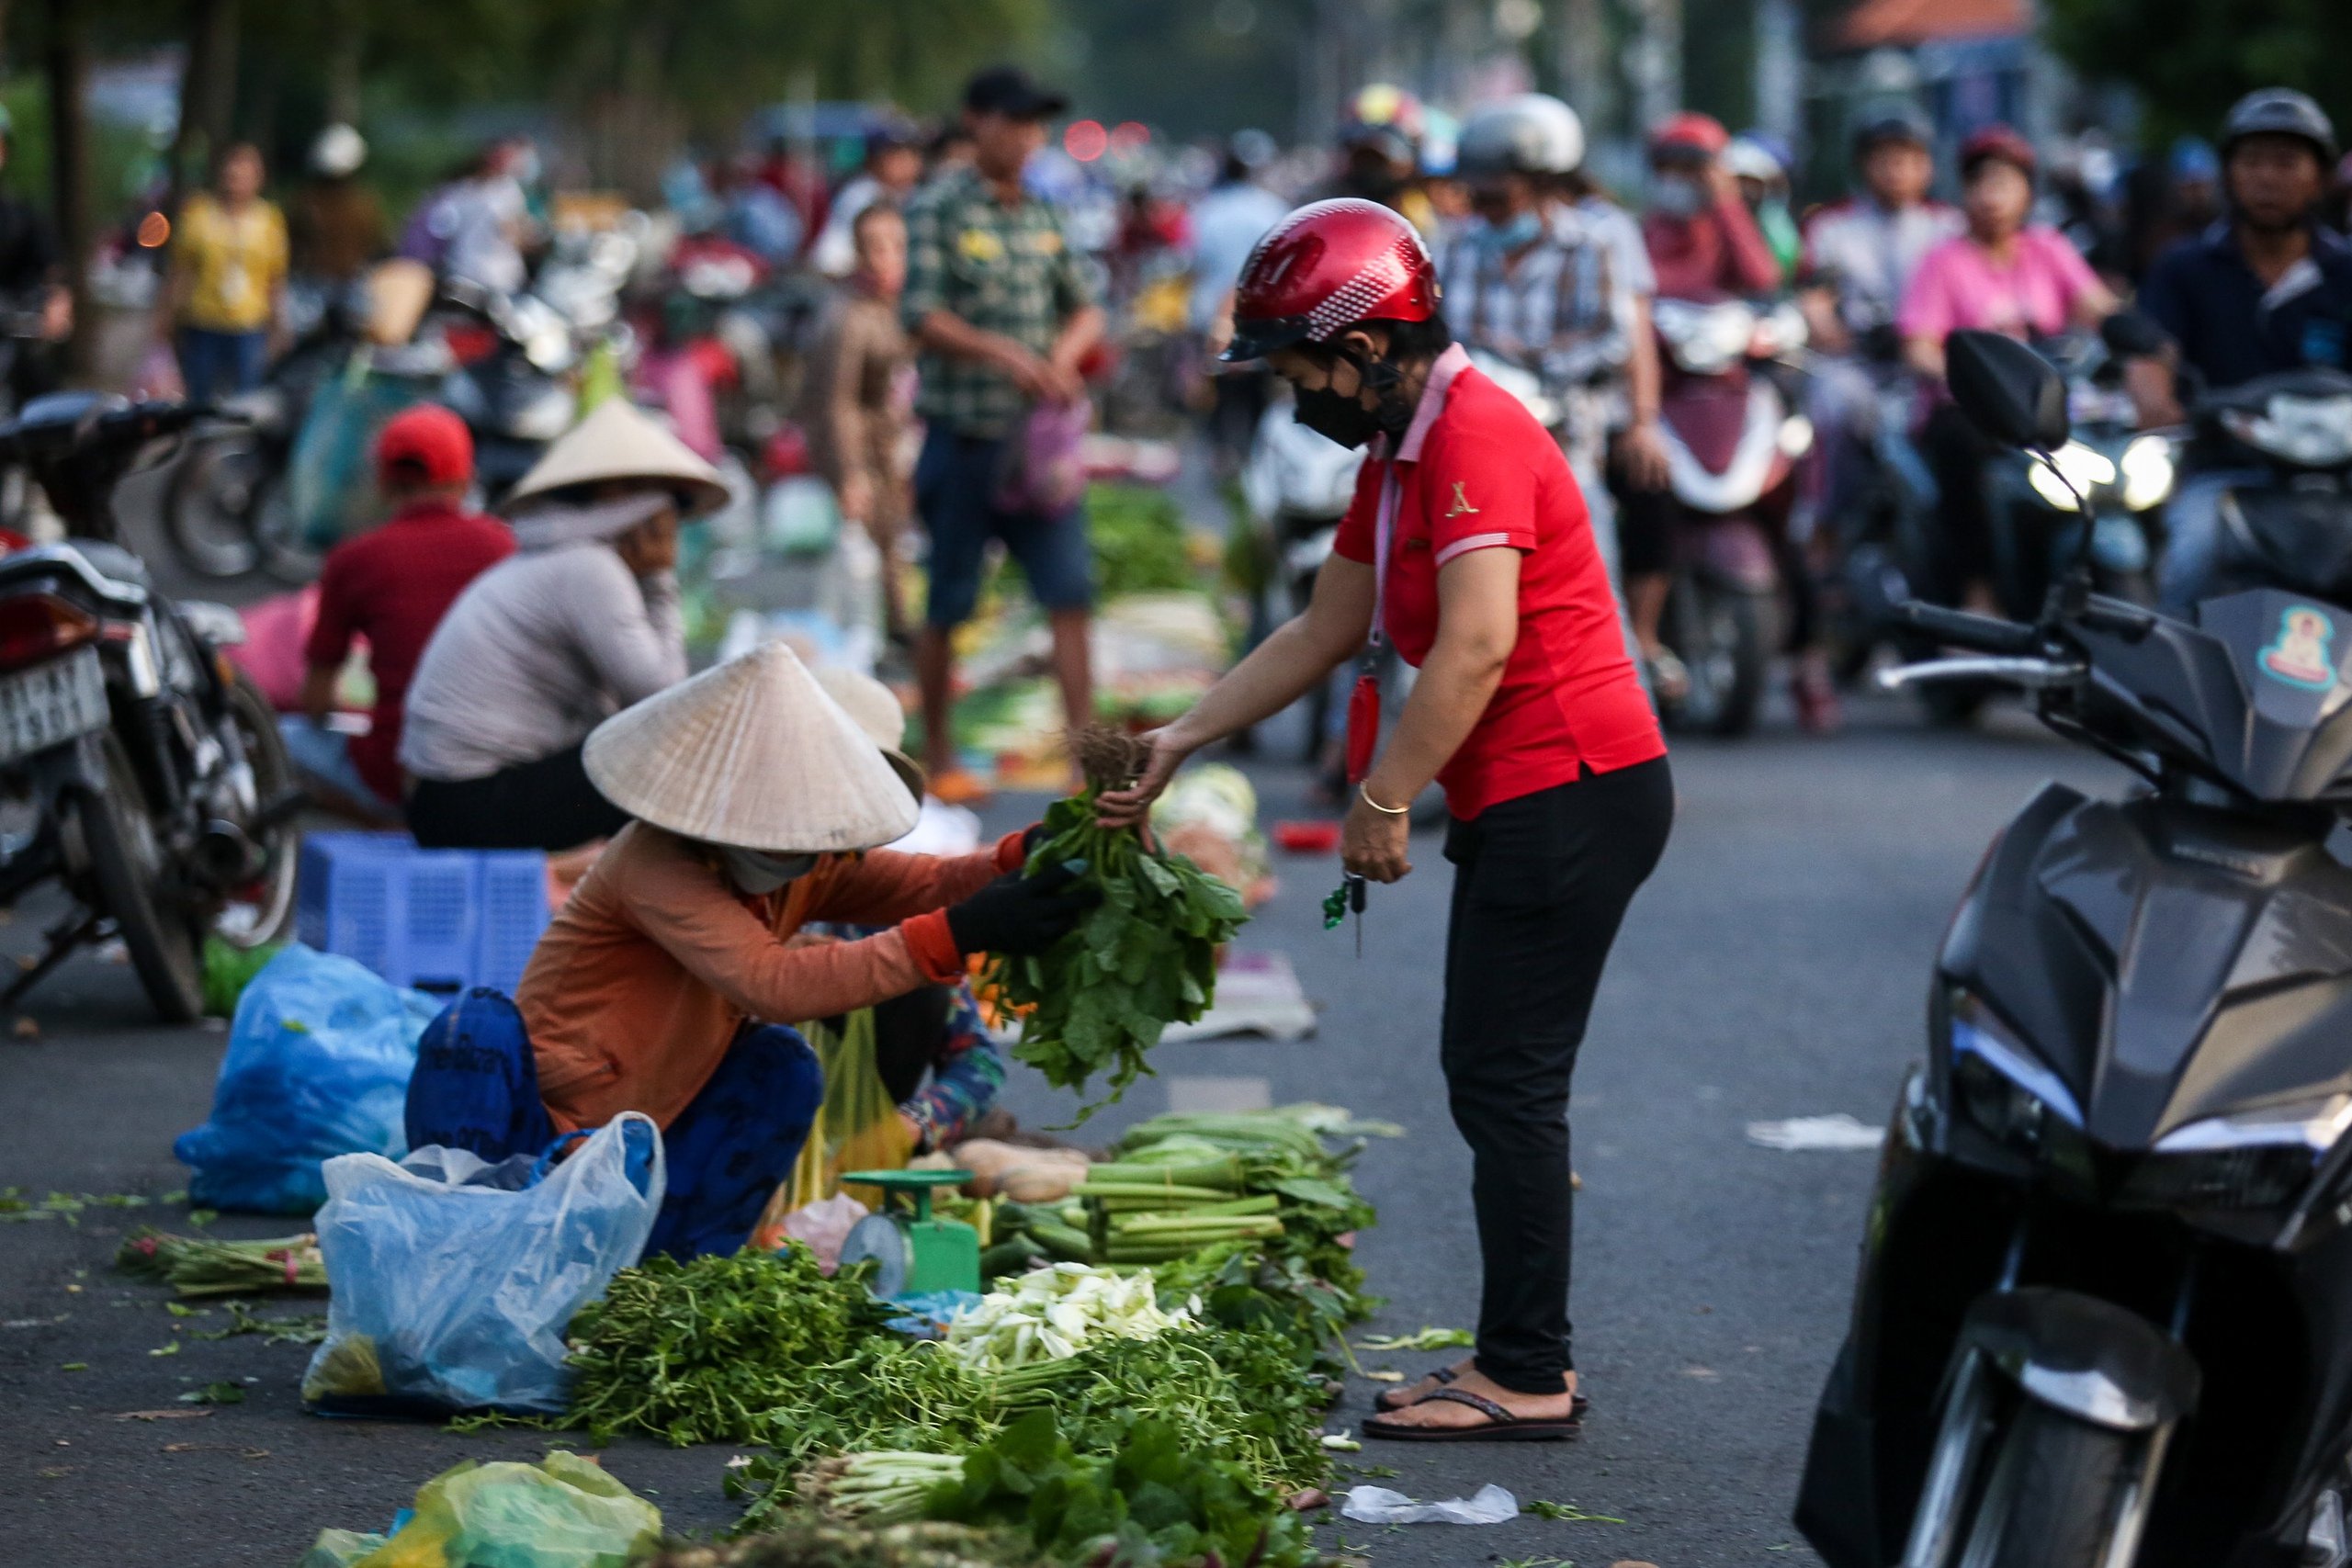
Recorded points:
1019,914
1031,837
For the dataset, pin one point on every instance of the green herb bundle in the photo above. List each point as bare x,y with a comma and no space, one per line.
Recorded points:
700,1351
1236,1396
199,1266
1153,1501
1144,958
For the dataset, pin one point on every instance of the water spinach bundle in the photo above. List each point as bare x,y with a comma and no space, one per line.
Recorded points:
1144,958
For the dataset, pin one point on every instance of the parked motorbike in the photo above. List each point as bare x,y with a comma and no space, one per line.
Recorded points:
160,794
2098,1318
232,468
1732,440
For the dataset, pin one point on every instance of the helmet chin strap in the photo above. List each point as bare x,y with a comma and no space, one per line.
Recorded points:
1386,383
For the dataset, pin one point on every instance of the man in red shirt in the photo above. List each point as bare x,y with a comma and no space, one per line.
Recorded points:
390,588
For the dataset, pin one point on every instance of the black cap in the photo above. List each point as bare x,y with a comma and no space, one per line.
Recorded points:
1008,90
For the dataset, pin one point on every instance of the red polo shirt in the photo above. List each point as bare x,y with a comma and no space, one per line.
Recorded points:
1475,471
392,587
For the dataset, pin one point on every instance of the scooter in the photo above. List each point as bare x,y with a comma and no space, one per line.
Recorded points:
1732,440
163,795
2293,527
2099,1317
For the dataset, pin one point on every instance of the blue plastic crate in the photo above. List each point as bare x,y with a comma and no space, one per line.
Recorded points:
437,919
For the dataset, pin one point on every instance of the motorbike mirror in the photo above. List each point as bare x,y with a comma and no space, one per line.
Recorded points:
2014,395
2130,335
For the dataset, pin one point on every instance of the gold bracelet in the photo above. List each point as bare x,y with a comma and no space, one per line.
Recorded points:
1384,810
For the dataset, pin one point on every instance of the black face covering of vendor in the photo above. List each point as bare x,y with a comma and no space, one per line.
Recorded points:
1341,417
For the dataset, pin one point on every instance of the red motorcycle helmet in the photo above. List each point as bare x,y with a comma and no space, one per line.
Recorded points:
1324,269
1689,132
1998,141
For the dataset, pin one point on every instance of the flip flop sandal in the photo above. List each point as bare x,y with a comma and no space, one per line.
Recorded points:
1501,1426
1398,1398
1395,1398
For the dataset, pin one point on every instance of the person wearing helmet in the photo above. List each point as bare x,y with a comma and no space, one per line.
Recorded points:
2004,275
1703,244
337,223
1230,218
1762,173
1534,294
33,279
2265,291
1380,155
1467,545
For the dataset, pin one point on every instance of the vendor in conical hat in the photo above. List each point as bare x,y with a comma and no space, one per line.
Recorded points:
582,621
668,982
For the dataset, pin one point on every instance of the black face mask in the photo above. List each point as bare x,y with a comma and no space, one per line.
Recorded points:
1344,418
1336,417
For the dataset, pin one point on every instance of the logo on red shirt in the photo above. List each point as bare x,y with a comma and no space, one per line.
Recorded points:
1461,507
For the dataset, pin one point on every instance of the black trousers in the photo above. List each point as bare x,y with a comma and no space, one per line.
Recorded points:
1540,885
1956,452
547,805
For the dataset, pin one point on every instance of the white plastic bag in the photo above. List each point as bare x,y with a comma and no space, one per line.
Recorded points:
454,1279
1379,1506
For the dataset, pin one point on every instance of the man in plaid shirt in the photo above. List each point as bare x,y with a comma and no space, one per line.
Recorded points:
1003,312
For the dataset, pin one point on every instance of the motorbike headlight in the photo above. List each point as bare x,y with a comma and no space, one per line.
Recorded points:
2148,473
2076,465
1999,1086
2254,1159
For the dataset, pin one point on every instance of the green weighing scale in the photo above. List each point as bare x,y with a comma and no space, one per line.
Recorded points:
915,1253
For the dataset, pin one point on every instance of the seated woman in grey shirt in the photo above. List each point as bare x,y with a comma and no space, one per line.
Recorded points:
581,621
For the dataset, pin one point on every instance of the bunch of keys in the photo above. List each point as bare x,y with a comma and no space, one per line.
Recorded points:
1345,899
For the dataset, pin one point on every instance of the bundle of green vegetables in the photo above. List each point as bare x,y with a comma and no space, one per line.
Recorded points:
201,1265
1137,532
1149,1500
1145,957
701,1351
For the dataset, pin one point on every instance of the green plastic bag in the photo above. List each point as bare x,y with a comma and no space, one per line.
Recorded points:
563,1512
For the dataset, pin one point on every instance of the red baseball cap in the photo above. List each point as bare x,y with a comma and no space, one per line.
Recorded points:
1691,132
429,443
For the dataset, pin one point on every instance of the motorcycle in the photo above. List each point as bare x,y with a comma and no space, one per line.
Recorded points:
2098,1319
162,796
1732,440
2295,524
2039,518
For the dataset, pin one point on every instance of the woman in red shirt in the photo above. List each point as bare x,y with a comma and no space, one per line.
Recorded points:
1527,711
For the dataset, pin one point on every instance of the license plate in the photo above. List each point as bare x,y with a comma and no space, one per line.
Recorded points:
50,704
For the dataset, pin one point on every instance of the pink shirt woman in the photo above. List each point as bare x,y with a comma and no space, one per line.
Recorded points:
2001,276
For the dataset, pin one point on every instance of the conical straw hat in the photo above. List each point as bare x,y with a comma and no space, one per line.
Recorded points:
620,441
752,754
877,713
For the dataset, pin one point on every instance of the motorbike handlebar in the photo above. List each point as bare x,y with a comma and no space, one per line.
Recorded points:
1962,628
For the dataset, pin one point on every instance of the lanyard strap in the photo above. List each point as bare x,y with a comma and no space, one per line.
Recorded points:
1382,529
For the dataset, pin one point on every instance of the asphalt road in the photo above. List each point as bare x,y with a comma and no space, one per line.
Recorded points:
1774,968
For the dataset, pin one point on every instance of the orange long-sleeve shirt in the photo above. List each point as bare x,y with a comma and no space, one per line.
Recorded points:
638,987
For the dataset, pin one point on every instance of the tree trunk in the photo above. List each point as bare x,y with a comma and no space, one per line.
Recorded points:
208,92
69,162
346,39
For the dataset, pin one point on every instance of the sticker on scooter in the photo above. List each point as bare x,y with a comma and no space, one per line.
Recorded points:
2300,657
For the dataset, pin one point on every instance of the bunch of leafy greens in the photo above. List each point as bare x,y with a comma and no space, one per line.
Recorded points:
1239,1285
1151,1502
701,1351
888,1394
1145,957
1233,1396
1137,532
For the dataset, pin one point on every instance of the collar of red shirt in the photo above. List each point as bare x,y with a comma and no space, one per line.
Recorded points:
1451,363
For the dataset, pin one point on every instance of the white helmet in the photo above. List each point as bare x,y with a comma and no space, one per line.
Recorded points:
338,151
1533,133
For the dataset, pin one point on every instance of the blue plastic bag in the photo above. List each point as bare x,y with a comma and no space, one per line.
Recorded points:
454,1279
319,1055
